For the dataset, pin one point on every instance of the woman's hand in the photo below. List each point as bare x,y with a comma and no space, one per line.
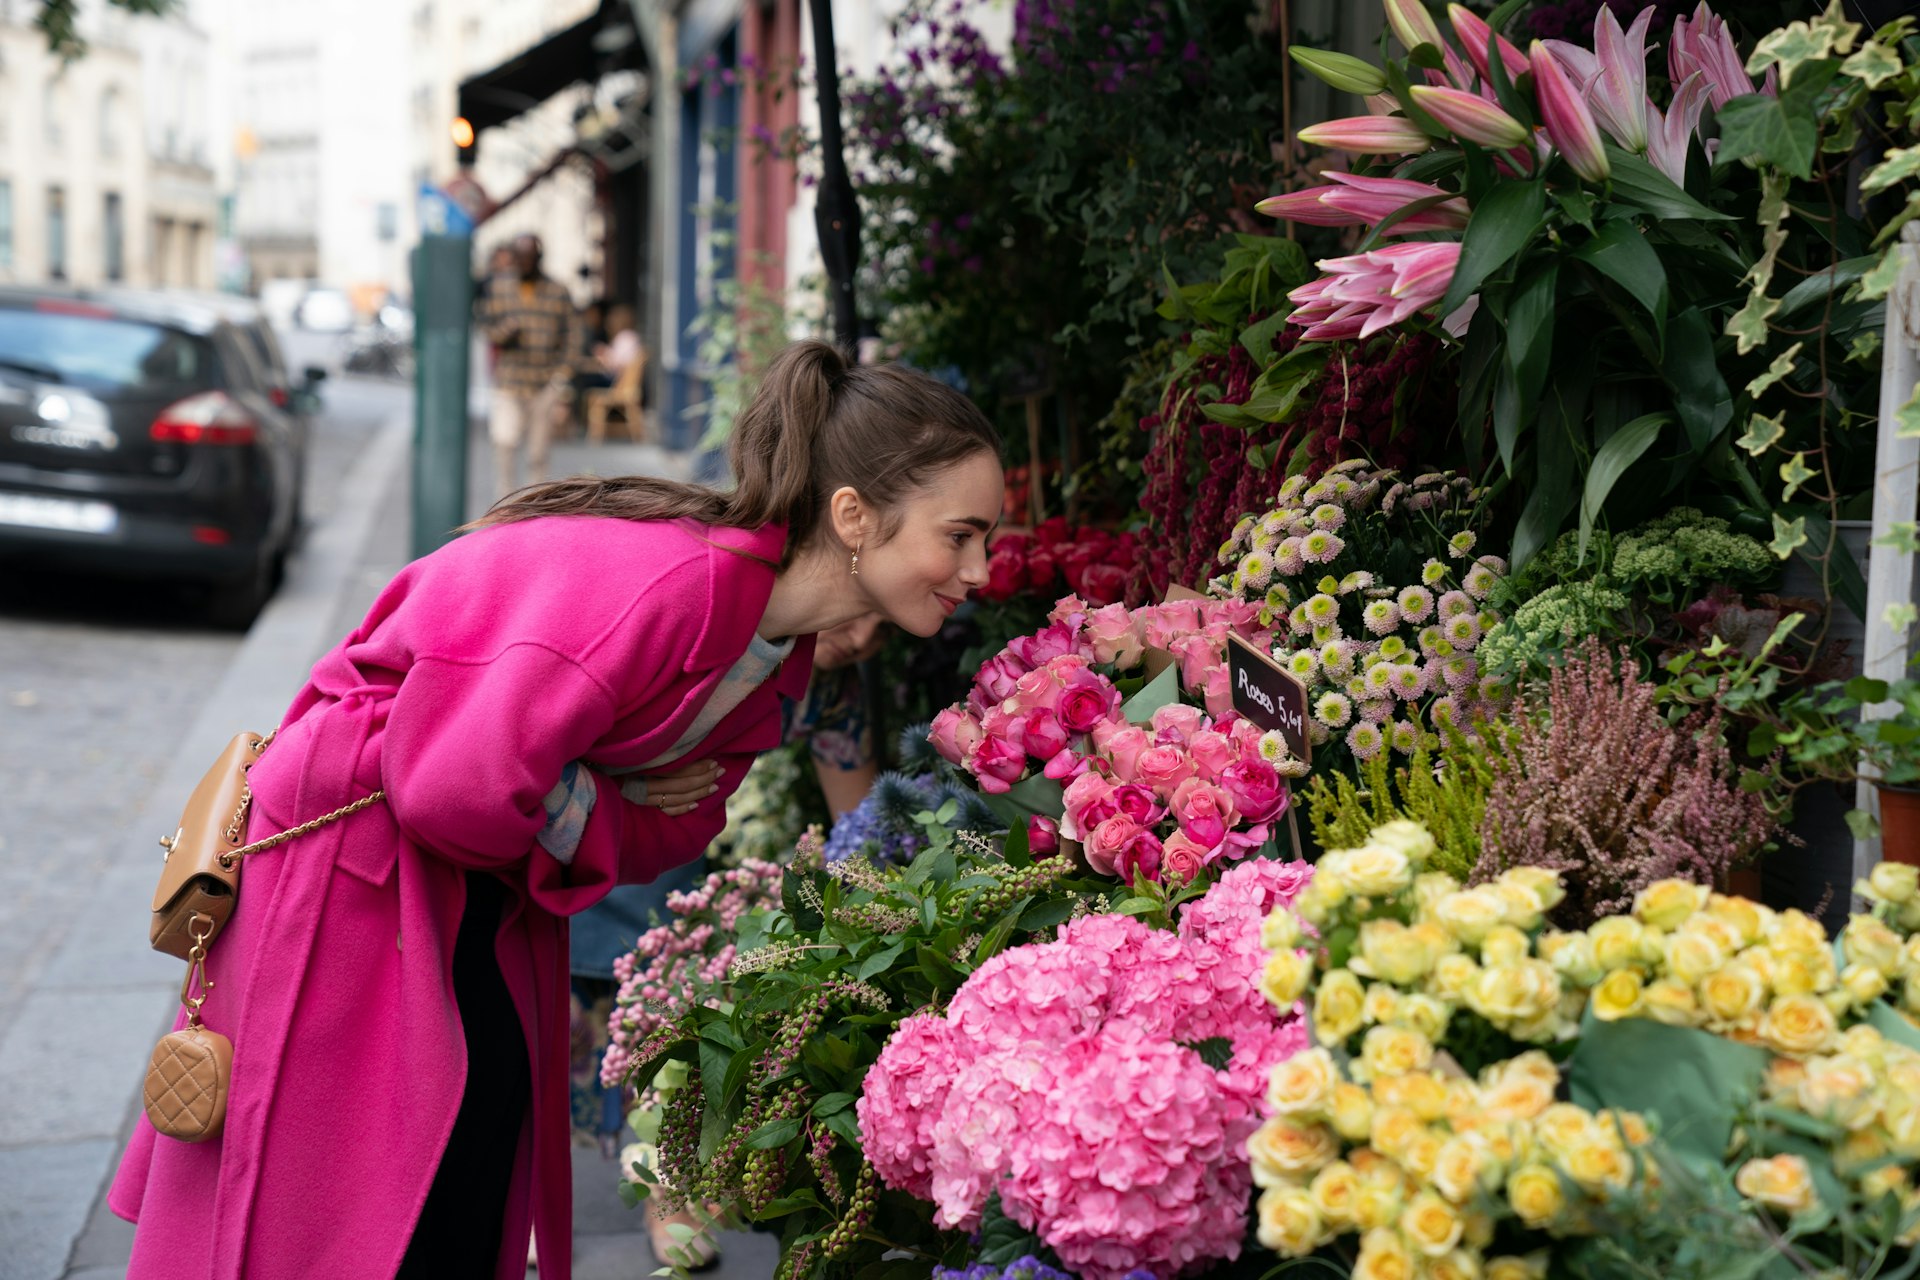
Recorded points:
674,791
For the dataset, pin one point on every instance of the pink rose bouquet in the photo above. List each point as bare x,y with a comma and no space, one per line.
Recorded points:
1156,789
1067,1077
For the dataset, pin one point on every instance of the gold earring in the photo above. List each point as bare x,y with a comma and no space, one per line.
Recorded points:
856,561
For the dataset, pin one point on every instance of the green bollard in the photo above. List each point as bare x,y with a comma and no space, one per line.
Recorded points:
442,325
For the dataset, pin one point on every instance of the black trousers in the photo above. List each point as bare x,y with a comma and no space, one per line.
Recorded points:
458,1234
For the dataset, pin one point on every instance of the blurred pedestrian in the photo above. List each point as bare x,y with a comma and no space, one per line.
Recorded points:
622,346
558,703
531,321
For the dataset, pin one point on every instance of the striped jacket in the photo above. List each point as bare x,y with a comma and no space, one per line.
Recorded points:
536,331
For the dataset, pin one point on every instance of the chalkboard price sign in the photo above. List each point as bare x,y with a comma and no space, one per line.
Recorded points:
1269,695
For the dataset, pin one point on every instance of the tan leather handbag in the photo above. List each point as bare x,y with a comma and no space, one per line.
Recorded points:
190,1071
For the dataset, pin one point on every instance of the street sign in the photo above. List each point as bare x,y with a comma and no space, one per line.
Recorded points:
441,214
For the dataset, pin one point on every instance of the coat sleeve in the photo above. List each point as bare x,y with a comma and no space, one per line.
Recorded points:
471,750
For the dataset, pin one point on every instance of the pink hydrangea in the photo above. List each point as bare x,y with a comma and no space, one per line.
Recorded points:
1068,1080
905,1092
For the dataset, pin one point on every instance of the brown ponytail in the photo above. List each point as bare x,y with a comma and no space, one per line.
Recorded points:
815,424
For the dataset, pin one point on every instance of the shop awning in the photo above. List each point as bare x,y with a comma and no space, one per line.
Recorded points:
567,57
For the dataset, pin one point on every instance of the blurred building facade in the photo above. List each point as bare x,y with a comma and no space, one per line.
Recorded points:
89,170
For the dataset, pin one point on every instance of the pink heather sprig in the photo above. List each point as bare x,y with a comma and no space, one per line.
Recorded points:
1189,790
1063,1075
683,962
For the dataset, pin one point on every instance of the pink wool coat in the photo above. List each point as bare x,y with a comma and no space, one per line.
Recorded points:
479,673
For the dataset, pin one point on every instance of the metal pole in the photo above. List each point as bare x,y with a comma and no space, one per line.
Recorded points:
443,318
836,215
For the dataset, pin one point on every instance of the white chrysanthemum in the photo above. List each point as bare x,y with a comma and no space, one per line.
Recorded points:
1416,604
1321,546
1287,558
1297,620
1333,710
1409,681
1305,664
1444,711
1381,617
1494,563
1429,636
1256,572
1459,673
1273,746
1380,679
1264,541
1479,582
1336,657
1379,710
1322,608
1364,741
1242,530
1453,604
1464,631
1278,597
1404,736
1328,516
1460,545
1326,633
1433,573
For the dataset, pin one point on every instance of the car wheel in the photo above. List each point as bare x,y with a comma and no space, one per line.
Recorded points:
236,602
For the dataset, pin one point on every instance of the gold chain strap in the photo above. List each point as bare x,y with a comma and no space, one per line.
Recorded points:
260,846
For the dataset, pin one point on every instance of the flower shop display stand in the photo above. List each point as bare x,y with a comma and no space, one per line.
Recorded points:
1896,493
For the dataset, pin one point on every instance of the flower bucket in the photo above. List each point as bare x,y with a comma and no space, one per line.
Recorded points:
1900,824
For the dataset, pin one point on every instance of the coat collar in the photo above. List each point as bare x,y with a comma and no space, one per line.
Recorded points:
738,589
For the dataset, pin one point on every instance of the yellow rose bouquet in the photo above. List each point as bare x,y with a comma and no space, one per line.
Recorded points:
1696,1083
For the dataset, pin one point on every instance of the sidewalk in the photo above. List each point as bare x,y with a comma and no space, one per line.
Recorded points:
85,1072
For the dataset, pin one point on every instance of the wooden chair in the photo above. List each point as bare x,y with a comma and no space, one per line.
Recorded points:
622,398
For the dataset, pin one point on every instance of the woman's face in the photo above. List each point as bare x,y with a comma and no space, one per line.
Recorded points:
918,577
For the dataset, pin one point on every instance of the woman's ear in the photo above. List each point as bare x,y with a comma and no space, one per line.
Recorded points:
852,518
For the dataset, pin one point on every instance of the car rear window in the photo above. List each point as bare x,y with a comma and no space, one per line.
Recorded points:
100,353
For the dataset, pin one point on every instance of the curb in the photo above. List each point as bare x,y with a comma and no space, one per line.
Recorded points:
106,958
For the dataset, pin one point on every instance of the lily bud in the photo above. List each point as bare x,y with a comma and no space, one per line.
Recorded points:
1470,116
1348,74
1570,126
1369,135
1412,25
1475,36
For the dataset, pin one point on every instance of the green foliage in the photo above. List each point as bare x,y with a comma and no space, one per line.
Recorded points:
765,1122
58,21
1446,793
739,331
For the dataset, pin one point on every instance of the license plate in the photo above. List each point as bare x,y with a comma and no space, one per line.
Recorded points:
65,514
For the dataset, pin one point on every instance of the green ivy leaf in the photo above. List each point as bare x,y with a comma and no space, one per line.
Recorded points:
1864,347
1874,63
1906,418
1757,126
1748,325
1782,366
1901,615
1788,535
1794,472
1763,433
1798,43
1898,165
1878,282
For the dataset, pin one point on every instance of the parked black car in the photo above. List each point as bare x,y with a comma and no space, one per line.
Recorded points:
148,434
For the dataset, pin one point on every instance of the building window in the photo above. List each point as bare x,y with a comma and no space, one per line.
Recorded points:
115,248
56,233
6,225
110,122
52,104
162,252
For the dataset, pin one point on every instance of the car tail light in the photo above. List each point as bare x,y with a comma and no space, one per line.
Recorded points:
208,418
281,399
211,535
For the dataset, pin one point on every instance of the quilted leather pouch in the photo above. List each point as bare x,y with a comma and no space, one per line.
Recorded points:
187,1082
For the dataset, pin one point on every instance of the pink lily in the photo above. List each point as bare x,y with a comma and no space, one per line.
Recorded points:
1668,138
1475,35
1363,294
1578,62
1369,135
1569,125
1364,202
1704,45
1469,116
1412,25
1618,95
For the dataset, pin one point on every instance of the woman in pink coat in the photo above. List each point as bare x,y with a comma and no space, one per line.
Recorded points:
554,704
